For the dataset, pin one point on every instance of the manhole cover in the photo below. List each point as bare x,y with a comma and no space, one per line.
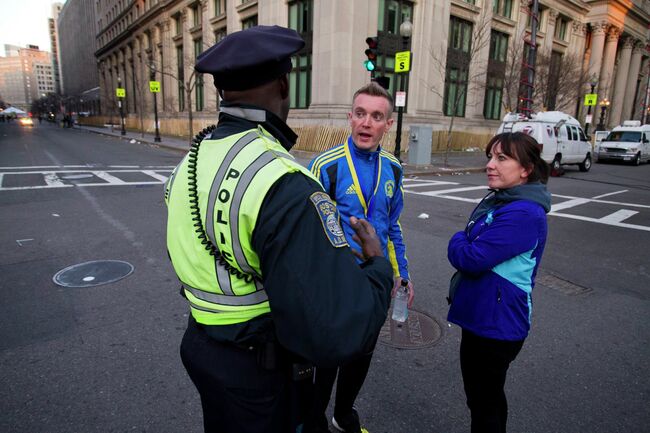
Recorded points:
93,273
417,332
560,284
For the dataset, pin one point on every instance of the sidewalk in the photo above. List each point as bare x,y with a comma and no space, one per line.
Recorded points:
459,162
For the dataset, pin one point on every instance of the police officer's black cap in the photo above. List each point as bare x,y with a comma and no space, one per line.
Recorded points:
249,58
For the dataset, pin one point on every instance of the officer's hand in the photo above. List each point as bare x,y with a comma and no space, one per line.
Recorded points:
398,283
366,236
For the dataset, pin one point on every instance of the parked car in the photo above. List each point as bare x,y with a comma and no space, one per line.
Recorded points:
629,142
562,139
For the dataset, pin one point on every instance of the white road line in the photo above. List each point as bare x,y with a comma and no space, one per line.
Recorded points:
569,204
618,216
108,178
123,183
413,185
449,197
124,166
618,203
15,188
155,175
51,179
2,175
49,167
447,191
598,220
610,193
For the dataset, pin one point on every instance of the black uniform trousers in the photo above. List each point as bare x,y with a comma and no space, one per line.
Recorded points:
351,377
484,363
237,395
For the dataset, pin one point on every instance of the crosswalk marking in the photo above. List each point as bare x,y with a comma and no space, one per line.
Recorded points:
55,176
569,203
616,219
108,178
618,216
155,175
448,191
601,221
52,180
611,193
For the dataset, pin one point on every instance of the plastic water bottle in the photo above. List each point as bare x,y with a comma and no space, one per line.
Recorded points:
400,305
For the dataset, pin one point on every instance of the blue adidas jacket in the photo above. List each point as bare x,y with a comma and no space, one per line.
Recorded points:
348,175
498,256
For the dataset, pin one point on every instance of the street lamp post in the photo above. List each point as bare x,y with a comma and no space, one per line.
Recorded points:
592,83
604,104
156,137
405,30
119,104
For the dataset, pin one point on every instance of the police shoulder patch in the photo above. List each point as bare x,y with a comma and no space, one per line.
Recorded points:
329,217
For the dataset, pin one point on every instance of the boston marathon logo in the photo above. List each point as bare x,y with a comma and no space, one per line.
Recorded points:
389,188
329,218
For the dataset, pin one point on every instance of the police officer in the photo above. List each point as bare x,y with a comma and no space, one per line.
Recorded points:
271,282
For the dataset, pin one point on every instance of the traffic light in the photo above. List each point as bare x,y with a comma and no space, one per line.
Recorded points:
371,53
382,81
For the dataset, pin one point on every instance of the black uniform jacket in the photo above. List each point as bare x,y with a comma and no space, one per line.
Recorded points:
324,306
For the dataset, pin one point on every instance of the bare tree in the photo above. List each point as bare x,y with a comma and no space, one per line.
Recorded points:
140,92
464,53
512,76
186,86
560,81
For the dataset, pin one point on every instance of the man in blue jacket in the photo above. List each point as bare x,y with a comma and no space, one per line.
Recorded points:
365,182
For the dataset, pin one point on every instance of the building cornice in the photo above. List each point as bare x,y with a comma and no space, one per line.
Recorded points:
142,21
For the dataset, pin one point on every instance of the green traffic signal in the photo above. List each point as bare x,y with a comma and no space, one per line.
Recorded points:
371,53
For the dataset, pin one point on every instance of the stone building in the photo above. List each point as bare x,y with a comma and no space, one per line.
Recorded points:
54,46
25,75
466,56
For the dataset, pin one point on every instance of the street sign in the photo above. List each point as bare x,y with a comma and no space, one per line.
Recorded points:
120,92
403,61
588,118
591,99
154,86
400,99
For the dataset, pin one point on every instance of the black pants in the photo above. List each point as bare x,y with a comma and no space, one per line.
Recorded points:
237,395
351,377
484,363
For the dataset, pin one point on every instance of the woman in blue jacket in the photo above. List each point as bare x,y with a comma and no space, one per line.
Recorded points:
497,257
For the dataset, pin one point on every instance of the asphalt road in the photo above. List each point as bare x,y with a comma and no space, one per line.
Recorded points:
105,358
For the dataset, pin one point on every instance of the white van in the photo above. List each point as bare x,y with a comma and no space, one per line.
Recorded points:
562,139
629,142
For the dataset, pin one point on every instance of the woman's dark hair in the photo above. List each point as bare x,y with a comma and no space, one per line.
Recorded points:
525,149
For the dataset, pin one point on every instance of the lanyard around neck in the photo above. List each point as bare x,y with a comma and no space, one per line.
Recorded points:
351,157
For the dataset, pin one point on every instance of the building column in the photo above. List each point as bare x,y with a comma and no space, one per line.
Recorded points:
597,44
622,70
609,57
632,79
547,46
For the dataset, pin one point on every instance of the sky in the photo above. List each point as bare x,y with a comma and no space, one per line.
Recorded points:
24,22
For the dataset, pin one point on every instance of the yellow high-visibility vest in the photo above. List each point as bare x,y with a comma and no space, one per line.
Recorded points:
233,176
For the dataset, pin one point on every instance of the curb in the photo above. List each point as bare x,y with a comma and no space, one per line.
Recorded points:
138,139
408,170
